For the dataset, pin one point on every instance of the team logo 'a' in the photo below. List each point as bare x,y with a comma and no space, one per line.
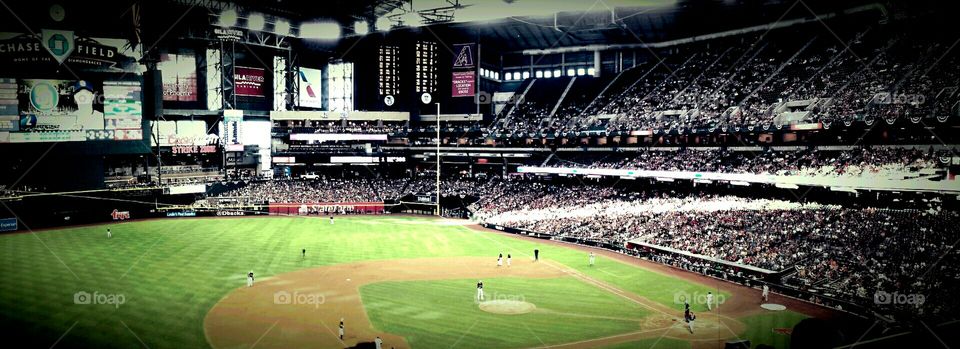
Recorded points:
464,57
59,43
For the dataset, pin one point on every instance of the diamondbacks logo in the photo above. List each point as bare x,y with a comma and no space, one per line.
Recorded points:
60,43
464,57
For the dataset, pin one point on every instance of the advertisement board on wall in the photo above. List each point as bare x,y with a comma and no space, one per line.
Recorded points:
179,71
8,224
249,81
464,83
310,88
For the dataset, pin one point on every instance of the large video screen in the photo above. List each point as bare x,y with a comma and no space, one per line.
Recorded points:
179,76
43,110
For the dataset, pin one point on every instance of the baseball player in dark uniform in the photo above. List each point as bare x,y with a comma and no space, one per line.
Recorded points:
536,255
480,290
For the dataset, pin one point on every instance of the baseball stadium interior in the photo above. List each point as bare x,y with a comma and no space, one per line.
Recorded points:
480,174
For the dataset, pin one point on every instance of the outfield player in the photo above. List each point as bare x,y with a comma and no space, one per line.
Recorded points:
766,292
480,290
593,258
508,259
109,234
303,254
536,255
331,220
709,300
250,279
341,329
500,260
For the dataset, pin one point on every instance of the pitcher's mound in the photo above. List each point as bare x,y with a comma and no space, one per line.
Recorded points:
774,307
507,307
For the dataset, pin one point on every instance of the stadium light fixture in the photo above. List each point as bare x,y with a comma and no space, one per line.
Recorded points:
571,72
592,71
538,74
361,28
526,75
281,27
227,18
256,22
383,24
581,71
557,73
320,31
508,76
548,74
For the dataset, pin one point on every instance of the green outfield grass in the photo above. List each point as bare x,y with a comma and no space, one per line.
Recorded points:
171,272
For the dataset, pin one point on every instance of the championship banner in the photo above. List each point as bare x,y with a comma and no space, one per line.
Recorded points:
464,83
249,81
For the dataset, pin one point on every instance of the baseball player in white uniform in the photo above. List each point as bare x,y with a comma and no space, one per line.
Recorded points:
500,260
341,329
766,293
378,342
109,234
709,301
593,258
480,290
508,259
250,279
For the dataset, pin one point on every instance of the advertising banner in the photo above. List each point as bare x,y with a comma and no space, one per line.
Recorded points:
464,83
249,81
310,87
303,209
8,224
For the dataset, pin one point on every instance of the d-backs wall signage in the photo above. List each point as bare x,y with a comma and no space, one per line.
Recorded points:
51,48
463,77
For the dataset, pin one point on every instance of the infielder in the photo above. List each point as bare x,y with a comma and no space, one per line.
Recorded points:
593,258
766,292
480,290
378,342
109,234
341,329
303,254
500,260
508,259
709,300
250,279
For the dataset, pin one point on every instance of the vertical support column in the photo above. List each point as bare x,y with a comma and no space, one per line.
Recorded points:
596,62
